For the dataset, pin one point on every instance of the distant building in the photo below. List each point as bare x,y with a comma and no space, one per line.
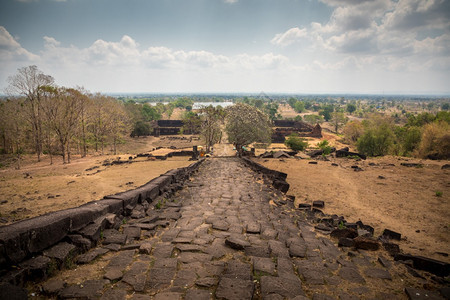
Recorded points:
283,128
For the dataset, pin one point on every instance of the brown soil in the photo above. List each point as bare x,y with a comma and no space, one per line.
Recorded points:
404,200
39,188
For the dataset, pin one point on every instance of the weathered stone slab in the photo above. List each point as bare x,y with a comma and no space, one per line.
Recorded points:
418,294
90,289
159,278
114,294
351,274
236,243
378,273
62,252
136,276
288,287
238,270
91,255
195,294
263,265
278,249
37,268
232,289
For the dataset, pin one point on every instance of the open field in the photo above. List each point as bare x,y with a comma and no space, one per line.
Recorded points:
39,188
384,195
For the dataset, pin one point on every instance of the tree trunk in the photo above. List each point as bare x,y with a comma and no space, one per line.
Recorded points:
68,152
115,148
63,150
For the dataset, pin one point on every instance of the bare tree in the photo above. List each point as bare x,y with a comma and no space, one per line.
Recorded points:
13,128
210,128
28,82
62,107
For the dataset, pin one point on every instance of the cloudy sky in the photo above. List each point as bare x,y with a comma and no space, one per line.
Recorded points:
292,46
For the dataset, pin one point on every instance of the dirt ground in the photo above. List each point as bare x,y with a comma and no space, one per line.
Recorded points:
39,188
383,195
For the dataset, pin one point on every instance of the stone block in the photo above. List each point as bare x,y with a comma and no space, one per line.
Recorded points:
391,234
433,266
366,243
93,230
283,186
63,253
38,268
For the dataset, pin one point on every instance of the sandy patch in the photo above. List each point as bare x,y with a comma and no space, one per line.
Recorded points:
404,201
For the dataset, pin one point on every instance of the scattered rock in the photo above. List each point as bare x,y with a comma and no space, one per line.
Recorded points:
236,243
344,233
319,204
366,243
387,233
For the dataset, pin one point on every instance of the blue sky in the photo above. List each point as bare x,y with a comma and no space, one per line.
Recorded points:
294,46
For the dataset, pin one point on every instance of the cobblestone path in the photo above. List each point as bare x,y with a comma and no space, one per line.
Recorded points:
224,236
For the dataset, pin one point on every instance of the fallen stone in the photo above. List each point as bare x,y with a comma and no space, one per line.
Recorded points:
344,233
236,243
392,248
433,266
318,204
391,235
253,228
81,242
280,154
220,225
136,276
304,206
62,252
366,243
38,268
384,262
312,162
418,294
91,255
346,242
410,165
445,167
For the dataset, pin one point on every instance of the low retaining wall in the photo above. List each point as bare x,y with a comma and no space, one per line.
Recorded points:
27,244
278,178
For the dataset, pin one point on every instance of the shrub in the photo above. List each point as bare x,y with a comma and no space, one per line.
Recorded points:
376,141
435,142
295,142
324,145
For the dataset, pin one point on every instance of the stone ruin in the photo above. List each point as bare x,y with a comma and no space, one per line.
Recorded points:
283,128
167,127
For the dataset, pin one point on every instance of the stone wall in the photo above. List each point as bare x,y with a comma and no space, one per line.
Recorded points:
27,245
278,178
284,128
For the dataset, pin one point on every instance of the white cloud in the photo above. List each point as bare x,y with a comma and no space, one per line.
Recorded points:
11,50
231,1
289,37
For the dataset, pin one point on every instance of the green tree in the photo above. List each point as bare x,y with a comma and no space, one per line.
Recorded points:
246,124
313,119
192,122
299,107
351,108
326,112
376,141
295,142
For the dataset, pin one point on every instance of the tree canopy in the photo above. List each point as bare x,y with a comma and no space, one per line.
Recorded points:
246,124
